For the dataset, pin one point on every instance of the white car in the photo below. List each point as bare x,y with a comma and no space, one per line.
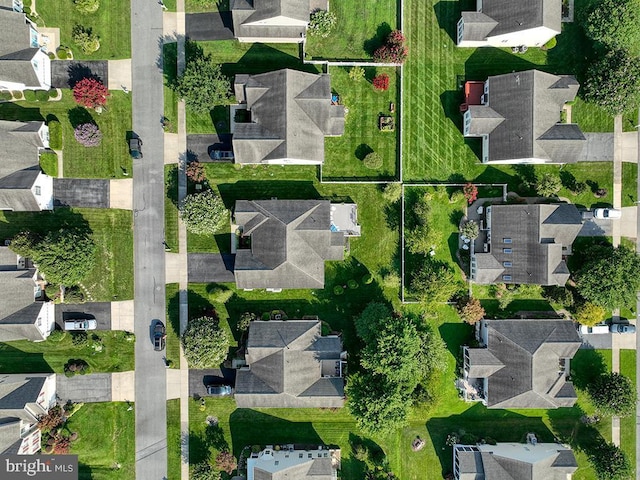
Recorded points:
607,213
597,329
77,324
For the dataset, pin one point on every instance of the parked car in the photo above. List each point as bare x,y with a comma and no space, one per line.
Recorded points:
80,324
135,148
596,329
159,336
607,213
622,328
219,390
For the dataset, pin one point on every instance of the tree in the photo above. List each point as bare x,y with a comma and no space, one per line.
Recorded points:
613,82
195,172
471,311
321,23
434,283
90,93
394,49
610,462
367,323
356,73
86,40
204,471
373,160
614,23
610,277
470,192
87,6
226,462
245,320
422,236
548,185
392,192
88,134
381,82
52,420
205,344
613,394
470,230
589,314
202,84
203,213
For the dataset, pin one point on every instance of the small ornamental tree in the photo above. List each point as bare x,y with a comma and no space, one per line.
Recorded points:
245,320
356,73
88,134
195,172
589,314
205,344
52,420
373,161
548,185
613,394
470,192
226,462
470,230
321,23
85,39
471,311
87,6
613,82
203,213
394,50
90,93
381,82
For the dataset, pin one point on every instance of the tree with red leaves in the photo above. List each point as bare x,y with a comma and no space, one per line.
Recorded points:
470,192
195,172
90,93
381,82
394,50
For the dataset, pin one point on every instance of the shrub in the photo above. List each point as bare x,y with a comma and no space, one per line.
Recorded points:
550,44
55,134
548,185
578,188
245,320
49,163
62,53
51,55
5,95
373,161
30,95
381,82
52,419
356,73
195,172
79,338
75,367
470,192
352,284
88,134
42,95
560,295
470,230
394,50
392,192
90,93
73,295
203,213
85,39
367,279
456,196
471,311
321,23
87,6
226,462
338,290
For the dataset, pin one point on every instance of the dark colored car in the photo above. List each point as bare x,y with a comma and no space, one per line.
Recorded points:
219,390
159,336
135,148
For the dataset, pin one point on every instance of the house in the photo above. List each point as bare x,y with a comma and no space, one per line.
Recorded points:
23,398
24,313
23,65
270,21
290,114
525,244
23,185
284,243
521,363
514,461
299,462
291,365
510,23
518,119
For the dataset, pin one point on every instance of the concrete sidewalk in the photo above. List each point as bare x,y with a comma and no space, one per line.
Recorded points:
119,74
121,193
122,315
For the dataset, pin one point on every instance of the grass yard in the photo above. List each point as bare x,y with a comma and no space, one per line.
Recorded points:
170,69
344,155
628,424
111,22
23,356
110,159
201,6
112,275
361,28
171,208
106,441
174,439
49,164
172,352
629,184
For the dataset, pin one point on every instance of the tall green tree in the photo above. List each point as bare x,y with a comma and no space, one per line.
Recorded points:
614,23
202,84
613,82
434,283
613,394
205,344
610,462
204,213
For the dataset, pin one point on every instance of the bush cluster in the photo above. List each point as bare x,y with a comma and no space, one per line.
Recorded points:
394,50
88,134
322,23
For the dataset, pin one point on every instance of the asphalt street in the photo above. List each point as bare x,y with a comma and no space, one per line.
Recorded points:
149,261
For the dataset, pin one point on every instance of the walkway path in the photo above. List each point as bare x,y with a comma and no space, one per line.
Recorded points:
638,309
149,269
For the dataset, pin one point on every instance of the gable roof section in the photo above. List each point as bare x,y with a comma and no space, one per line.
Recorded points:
290,241
291,113
16,52
270,19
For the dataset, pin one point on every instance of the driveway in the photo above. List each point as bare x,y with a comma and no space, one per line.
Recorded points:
199,147
81,192
95,387
598,341
209,26
598,148
199,378
66,73
210,267
101,311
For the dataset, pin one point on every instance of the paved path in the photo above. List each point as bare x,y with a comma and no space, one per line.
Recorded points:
149,270
119,74
617,174
638,308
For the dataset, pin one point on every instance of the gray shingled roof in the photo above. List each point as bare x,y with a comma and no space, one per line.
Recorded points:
18,390
540,235
530,351
500,17
15,49
291,113
310,469
270,19
10,440
290,241
284,359
528,105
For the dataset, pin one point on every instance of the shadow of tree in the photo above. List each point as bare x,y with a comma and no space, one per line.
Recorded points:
201,445
79,116
382,32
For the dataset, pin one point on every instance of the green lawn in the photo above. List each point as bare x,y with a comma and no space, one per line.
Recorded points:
629,184
170,69
344,154
112,275
200,6
110,159
361,28
23,356
171,207
174,439
49,163
106,441
628,424
112,24
172,351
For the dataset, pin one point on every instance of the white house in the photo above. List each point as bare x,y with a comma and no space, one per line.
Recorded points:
294,462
